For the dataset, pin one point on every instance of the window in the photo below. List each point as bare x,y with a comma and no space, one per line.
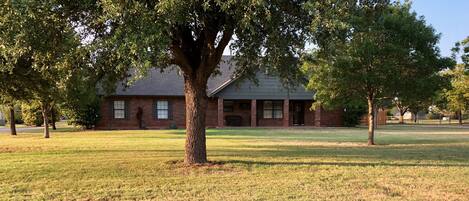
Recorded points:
228,106
162,109
273,110
119,110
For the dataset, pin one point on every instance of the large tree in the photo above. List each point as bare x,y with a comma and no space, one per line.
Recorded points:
365,58
37,37
192,35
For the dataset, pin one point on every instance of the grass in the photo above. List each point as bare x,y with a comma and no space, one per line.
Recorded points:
430,122
411,163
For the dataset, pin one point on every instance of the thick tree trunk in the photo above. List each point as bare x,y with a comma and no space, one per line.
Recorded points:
196,106
12,121
52,114
415,117
371,122
45,116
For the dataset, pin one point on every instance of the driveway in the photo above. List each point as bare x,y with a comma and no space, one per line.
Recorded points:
23,129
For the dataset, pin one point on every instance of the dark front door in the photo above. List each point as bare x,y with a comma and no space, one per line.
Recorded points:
298,113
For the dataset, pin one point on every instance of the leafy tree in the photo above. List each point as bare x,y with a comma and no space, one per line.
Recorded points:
193,35
457,96
367,57
41,49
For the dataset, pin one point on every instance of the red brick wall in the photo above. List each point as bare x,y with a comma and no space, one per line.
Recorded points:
245,114
328,118
332,118
146,103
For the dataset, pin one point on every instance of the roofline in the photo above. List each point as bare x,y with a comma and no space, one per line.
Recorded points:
223,86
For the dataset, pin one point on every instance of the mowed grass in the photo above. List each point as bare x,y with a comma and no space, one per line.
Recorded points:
411,163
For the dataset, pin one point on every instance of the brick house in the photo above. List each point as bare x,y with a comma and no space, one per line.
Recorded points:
157,101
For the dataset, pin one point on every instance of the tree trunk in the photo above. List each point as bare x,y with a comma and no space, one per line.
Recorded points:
52,114
196,106
460,117
12,121
371,122
45,116
401,118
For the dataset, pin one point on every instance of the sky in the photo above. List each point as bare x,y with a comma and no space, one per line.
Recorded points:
448,17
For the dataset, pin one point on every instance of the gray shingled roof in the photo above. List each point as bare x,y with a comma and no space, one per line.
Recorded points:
171,83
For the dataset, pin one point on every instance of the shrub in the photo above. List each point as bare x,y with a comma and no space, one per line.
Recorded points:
353,115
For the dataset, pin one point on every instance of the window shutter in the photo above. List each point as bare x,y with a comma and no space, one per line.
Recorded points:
126,109
170,110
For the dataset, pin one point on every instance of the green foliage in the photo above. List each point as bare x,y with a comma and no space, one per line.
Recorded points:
377,54
32,114
80,101
353,115
139,35
35,49
82,107
457,96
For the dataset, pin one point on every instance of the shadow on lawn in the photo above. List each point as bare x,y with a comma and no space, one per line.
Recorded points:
345,164
450,153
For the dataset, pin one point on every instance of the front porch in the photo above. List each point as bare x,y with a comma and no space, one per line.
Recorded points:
267,113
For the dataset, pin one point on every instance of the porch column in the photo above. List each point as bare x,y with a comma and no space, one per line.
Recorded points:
317,116
220,119
286,113
254,113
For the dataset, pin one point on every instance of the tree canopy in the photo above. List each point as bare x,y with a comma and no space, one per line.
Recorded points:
192,35
36,43
379,52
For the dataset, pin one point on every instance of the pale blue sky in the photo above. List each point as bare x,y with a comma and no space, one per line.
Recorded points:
448,17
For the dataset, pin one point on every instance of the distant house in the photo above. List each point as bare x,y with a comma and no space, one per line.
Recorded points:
157,101
2,119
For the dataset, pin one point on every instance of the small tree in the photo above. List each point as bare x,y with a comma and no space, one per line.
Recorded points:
457,96
364,62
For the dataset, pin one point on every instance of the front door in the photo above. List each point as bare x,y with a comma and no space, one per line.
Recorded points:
298,113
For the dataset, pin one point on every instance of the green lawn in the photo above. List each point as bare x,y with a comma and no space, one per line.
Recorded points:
411,162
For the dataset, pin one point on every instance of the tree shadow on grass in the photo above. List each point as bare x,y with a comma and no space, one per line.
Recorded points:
380,153
342,164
